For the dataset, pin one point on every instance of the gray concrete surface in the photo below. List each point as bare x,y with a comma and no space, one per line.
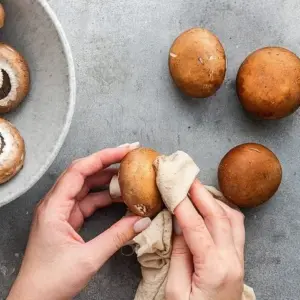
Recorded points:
125,94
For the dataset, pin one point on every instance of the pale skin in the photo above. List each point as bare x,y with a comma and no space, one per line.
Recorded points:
207,259
207,262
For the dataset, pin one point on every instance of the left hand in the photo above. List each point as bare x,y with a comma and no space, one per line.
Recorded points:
58,263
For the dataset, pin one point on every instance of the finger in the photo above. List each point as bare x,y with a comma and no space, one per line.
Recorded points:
180,272
88,206
214,215
76,218
236,219
94,201
204,201
181,269
124,148
219,196
101,178
111,240
97,180
193,227
70,184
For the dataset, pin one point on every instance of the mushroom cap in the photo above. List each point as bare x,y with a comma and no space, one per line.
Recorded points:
197,63
268,83
12,151
137,179
249,175
14,78
2,16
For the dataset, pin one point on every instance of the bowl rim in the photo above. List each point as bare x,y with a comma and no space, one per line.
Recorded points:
68,120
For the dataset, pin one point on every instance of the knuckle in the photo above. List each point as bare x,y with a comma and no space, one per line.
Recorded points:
173,291
180,251
119,239
88,264
222,216
200,261
230,275
239,216
196,225
49,222
236,274
38,209
221,277
74,164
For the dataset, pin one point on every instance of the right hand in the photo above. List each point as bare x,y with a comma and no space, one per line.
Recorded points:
207,262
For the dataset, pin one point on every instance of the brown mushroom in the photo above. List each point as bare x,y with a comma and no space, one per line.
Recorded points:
197,63
136,183
2,16
249,175
14,78
12,151
268,83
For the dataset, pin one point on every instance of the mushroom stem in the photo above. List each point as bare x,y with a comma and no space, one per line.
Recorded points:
114,188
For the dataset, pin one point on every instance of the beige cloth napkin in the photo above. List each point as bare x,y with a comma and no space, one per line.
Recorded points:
175,175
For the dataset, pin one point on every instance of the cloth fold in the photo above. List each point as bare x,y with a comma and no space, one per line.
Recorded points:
175,175
153,249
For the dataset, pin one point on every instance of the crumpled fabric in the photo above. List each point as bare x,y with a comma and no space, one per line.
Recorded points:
175,175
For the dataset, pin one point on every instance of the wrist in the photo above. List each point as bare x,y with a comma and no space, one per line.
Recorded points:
26,288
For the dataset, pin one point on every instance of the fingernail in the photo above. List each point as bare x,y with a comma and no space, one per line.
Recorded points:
130,146
176,226
124,146
141,225
134,145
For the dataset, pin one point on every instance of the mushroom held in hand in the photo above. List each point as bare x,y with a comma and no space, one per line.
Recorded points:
136,183
268,83
2,16
12,151
197,63
14,78
249,175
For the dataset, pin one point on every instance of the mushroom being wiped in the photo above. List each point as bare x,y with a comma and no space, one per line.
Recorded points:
12,151
136,183
14,78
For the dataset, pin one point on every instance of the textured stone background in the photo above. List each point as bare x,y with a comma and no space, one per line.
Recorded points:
125,94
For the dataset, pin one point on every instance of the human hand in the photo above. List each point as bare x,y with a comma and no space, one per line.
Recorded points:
207,262
57,262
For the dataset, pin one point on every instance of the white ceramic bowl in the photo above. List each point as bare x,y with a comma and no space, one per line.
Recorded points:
44,117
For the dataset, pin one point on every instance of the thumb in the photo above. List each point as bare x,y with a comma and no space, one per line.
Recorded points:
181,269
110,241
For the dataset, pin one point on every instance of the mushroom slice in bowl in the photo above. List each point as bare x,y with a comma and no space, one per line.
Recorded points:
12,151
14,78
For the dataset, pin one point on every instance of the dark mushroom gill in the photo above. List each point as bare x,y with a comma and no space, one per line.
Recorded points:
6,85
2,143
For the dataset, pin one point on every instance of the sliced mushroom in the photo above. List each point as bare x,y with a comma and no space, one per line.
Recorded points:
14,78
2,16
12,151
